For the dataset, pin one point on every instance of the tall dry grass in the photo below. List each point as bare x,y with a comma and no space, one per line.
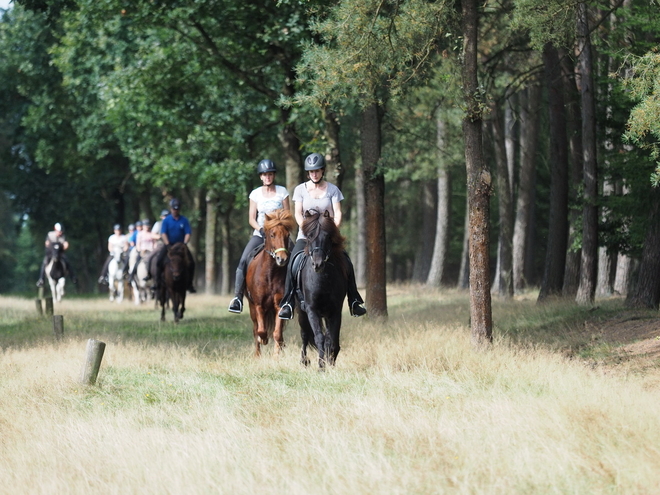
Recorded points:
410,407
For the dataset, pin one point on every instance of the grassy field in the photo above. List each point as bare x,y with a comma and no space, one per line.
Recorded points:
558,405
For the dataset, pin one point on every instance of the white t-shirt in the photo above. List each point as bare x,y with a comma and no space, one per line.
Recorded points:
117,242
266,205
324,203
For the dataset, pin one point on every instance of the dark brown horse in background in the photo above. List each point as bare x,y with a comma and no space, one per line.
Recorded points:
174,281
323,280
266,275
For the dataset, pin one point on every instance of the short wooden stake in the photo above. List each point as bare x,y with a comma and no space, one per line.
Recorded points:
49,306
40,309
58,327
95,349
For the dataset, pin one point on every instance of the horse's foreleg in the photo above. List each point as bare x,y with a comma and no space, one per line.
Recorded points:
278,335
175,307
260,320
316,323
333,325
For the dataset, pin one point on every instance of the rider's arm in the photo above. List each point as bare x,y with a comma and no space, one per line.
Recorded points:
163,236
252,215
285,204
186,238
65,245
337,209
298,212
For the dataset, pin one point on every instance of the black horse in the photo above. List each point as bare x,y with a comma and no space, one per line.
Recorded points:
323,280
174,280
56,271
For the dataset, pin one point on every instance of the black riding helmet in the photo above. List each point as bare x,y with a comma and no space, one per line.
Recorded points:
315,161
265,166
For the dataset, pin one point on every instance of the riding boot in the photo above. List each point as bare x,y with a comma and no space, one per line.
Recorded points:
236,304
355,301
288,303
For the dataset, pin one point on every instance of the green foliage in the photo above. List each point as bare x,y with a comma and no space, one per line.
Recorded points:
369,45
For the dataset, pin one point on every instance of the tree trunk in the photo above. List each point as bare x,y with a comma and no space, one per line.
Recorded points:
359,257
555,256
504,276
574,128
374,192
443,211
291,147
334,169
226,286
464,270
589,254
424,251
478,184
528,141
646,292
210,270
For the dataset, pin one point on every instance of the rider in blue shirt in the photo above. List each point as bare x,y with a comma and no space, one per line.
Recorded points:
175,228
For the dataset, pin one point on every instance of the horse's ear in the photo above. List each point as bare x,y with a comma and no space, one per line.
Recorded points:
307,214
326,214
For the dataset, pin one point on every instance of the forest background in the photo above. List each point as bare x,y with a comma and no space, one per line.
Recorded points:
110,108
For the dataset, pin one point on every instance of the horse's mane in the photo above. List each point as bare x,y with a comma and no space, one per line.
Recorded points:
279,217
178,249
315,222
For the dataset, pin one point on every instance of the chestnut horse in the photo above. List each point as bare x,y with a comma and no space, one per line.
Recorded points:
266,275
323,280
174,280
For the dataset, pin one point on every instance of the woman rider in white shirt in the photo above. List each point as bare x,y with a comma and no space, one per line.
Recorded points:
322,195
264,199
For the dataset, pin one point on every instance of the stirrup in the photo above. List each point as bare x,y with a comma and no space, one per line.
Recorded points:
286,312
40,283
236,305
357,309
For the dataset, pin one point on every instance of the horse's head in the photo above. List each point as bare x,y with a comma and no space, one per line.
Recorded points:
323,237
177,260
277,227
117,254
56,249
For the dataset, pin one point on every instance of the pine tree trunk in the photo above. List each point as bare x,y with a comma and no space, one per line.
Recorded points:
226,286
334,169
443,210
210,269
424,251
504,276
555,257
574,129
589,254
291,147
464,270
359,253
478,184
525,203
374,192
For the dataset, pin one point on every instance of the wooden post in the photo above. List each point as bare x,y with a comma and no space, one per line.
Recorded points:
40,309
95,349
58,327
49,306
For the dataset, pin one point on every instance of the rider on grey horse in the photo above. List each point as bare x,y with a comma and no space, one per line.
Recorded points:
55,235
116,241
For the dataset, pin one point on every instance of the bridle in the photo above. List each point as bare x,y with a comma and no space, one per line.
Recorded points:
274,252
326,254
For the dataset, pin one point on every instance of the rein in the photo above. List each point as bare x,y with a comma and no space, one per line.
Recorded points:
326,255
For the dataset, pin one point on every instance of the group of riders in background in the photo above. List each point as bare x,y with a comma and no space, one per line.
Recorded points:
151,243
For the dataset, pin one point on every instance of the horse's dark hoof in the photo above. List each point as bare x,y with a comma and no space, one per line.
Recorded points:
304,361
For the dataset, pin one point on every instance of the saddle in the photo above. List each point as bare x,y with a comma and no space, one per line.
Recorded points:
254,253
